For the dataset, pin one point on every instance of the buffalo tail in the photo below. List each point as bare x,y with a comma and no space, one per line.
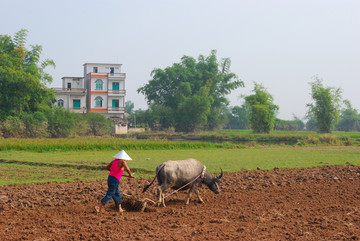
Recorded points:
147,186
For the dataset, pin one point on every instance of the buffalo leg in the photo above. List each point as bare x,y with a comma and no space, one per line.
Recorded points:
198,195
161,200
160,196
189,194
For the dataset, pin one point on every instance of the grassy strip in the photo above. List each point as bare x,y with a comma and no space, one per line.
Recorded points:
78,144
239,136
20,167
159,141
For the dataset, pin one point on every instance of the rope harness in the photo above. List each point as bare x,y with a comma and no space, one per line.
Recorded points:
202,174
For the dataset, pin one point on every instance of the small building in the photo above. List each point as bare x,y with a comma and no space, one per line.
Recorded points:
72,95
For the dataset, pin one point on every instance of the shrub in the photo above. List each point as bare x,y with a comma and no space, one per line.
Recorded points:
36,124
99,124
13,127
82,127
60,122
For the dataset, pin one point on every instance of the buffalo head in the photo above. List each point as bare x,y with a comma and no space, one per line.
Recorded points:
211,181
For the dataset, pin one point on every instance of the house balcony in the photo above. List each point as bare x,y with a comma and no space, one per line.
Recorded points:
112,92
116,109
70,90
109,75
117,75
78,109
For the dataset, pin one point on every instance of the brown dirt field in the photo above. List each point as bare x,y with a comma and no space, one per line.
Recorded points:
308,204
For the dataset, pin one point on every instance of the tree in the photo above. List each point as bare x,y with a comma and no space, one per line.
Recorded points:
262,110
311,124
326,105
22,77
99,125
194,90
60,122
349,118
238,117
285,125
193,111
299,122
129,106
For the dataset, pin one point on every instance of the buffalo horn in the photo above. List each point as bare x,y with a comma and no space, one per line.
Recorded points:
221,174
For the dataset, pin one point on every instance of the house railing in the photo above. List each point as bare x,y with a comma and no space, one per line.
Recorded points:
70,89
117,92
117,75
117,109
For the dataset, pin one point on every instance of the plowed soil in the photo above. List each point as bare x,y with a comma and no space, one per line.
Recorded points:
308,204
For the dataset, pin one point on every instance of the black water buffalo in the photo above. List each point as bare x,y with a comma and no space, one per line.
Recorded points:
189,172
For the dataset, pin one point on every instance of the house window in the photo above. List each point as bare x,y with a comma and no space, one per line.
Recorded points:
115,85
61,103
69,85
95,69
98,101
112,69
115,103
76,104
99,84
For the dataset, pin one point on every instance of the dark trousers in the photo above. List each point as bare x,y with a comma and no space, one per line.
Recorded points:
113,191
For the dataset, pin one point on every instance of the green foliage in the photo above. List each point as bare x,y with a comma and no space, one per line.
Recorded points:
129,106
161,117
238,117
349,118
12,127
262,110
300,123
207,140
22,77
77,144
60,122
285,125
184,85
99,124
325,108
193,112
36,124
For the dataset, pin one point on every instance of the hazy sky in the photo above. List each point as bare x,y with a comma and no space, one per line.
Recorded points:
278,43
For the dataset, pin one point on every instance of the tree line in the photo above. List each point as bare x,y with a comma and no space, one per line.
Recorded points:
188,96
27,106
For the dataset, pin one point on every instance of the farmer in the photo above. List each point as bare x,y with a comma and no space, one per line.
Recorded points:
116,168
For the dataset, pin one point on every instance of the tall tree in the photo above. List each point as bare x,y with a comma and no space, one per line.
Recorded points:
238,117
326,105
194,90
129,106
22,77
349,118
262,110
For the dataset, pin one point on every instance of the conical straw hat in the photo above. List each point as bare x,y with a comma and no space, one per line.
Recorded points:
123,156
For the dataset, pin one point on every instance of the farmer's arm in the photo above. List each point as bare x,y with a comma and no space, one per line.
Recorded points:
122,164
108,167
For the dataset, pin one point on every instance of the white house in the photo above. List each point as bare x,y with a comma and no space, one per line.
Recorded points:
105,86
101,90
72,95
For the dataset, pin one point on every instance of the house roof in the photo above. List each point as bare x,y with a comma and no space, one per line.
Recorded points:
72,77
102,64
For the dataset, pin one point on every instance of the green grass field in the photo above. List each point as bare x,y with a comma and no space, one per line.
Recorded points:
19,167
